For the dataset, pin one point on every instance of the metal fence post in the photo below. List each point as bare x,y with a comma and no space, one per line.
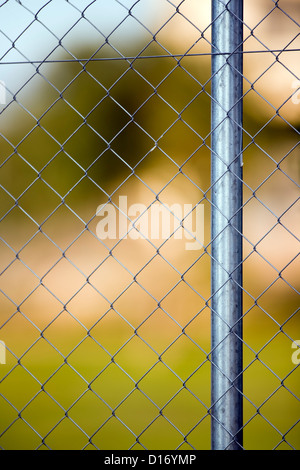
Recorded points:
226,225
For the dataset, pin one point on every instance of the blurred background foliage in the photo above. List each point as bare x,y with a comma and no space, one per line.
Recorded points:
101,119
84,133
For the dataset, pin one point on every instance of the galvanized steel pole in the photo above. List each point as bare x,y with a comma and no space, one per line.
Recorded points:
226,225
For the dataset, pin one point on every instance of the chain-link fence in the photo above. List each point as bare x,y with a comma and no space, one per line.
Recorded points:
149,183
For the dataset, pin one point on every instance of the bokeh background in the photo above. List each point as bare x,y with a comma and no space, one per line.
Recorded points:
107,342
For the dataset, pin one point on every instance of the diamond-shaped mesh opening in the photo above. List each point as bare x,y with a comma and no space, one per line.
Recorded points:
51,359
28,175
259,424
32,411
15,378
76,437
111,427
108,146
32,200
89,403
21,436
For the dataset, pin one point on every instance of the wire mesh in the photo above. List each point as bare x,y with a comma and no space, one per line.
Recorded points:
105,251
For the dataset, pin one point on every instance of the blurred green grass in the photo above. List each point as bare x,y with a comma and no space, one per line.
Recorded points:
89,391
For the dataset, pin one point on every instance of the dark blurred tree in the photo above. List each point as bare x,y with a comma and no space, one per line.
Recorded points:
93,124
